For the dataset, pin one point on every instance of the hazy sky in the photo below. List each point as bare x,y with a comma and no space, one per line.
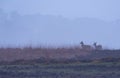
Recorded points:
99,20
102,9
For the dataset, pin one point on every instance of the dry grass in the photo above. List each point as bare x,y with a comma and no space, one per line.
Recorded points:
27,53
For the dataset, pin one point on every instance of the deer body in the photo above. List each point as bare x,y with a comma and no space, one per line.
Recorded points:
97,47
85,47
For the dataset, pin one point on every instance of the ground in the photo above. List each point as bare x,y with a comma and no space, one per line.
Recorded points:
61,70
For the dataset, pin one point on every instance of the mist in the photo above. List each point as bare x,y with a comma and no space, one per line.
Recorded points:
59,23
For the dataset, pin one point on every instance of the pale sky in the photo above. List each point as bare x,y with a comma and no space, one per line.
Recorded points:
102,9
62,22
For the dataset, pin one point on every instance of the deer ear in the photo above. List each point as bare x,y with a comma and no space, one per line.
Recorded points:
95,42
81,41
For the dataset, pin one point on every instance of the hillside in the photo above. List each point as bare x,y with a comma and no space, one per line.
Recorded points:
13,54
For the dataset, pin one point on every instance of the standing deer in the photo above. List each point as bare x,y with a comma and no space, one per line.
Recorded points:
85,47
97,47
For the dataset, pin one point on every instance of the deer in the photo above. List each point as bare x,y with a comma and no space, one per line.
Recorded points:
85,47
97,47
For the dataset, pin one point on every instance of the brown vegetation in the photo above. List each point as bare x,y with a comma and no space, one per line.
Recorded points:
85,52
11,54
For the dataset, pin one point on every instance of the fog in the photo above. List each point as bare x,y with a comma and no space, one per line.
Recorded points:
59,22
102,9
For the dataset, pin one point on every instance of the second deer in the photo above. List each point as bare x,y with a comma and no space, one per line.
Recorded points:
97,47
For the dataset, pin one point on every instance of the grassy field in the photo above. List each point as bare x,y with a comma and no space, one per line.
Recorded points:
59,63
71,70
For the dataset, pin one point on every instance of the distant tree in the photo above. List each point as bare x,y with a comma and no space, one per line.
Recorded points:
14,15
3,16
